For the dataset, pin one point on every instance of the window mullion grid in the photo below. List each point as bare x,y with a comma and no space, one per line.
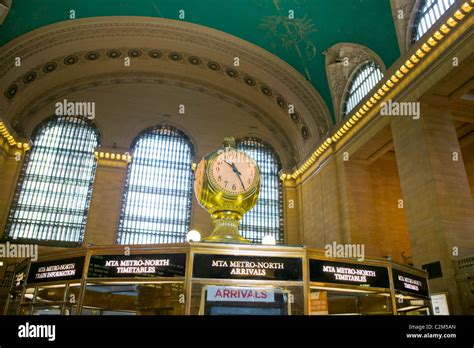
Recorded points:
140,189
38,210
163,199
67,162
430,12
172,172
135,202
145,213
155,182
73,163
137,236
133,184
168,200
161,173
48,206
180,183
57,185
126,213
39,178
76,160
23,210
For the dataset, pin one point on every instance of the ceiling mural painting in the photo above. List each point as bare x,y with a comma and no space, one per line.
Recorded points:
293,34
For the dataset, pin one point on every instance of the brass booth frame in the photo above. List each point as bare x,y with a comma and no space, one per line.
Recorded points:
217,249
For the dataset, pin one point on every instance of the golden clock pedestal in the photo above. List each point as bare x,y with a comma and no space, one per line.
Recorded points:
226,229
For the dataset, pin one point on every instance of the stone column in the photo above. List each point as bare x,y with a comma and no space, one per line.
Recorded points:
361,207
291,213
106,202
437,199
321,211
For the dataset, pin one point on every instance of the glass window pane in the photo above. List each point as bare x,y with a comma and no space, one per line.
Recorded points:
156,207
53,194
47,310
50,294
428,14
366,78
324,302
133,299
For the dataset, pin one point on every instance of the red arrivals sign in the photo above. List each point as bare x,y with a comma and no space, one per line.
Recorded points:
239,294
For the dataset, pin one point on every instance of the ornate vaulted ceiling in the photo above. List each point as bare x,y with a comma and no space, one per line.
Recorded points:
317,25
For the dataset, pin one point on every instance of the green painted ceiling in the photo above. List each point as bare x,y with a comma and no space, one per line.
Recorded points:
320,24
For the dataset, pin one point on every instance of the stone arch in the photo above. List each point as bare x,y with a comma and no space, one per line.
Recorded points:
342,62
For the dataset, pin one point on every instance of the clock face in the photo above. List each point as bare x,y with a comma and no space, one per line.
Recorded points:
233,172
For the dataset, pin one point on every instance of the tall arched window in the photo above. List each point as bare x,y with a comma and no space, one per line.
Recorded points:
53,194
266,218
429,12
368,75
156,205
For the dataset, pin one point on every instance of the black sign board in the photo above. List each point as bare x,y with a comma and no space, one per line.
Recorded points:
348,273
131,266
434,270
49,271
247,267
411,283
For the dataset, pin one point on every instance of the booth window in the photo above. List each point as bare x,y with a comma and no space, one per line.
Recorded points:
266,218
53,193
429,12
366,77
156,205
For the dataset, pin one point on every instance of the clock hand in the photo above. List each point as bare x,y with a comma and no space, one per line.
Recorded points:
236,171
241,182
230,165
234,168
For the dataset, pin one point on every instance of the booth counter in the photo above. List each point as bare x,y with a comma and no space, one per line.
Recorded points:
213,279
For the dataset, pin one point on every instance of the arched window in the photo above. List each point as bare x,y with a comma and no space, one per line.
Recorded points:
266,218
156,205
53,194
368,75
429,12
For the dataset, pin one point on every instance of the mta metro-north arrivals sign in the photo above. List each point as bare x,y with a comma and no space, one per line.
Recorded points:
130,266
247,267
348,274
50,271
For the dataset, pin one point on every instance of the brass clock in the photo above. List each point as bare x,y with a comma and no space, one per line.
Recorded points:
227,184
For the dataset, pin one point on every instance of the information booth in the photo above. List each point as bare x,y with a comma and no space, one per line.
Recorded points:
51,281
241,279
213,279
340,287
411,291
